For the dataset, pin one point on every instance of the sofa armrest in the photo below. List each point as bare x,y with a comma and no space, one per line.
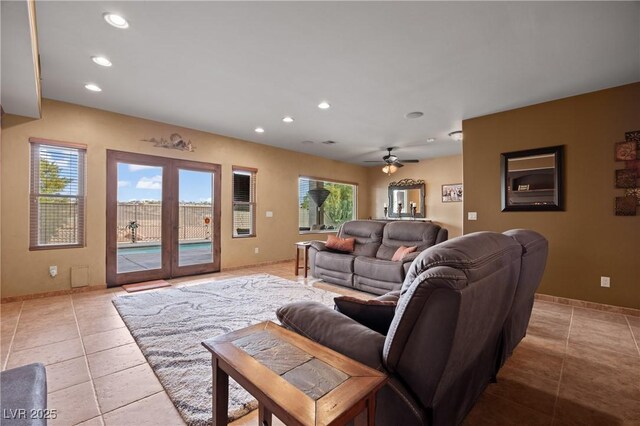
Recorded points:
411,257
319,245
334,330
443,235
392,296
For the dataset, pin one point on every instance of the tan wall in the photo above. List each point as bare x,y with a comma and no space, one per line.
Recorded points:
586,240
435,172
25,272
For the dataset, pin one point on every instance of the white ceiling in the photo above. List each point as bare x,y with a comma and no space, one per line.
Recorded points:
19,94
228,67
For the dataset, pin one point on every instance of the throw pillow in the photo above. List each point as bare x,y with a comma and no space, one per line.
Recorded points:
374,314
402,252
341,244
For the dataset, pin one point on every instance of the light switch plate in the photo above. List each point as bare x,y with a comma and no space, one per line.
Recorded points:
269,214
472,215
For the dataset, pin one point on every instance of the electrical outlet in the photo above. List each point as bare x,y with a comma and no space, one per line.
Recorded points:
256,250
53,271
472,215
605,282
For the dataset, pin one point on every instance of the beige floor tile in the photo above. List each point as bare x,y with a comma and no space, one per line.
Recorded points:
47,354
67,373
139,413
593,314
96,421
115,359
73,405
251,419
99,324
605,387
127,386
9,311
602,334
552,307
530,390
107,340
491,410
532,361
30,338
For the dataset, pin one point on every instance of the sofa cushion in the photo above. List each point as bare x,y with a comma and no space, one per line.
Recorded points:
341,262
402,252
422,235
340,244
367,233
375,314
24,388
378,269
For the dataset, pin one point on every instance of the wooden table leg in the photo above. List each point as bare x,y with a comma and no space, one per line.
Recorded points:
220,394
306,260
371,410
297,259
264,414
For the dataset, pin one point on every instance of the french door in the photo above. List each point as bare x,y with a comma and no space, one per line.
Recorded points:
163,218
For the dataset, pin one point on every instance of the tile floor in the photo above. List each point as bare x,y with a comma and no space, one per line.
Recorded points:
575,367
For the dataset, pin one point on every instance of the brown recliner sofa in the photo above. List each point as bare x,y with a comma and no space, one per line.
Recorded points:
370,268
447,335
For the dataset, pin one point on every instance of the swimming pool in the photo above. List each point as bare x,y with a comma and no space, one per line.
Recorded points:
156,249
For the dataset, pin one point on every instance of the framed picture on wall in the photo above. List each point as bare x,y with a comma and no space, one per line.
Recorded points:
452,193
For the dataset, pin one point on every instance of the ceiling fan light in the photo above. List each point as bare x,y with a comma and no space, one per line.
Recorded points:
389,169
456,136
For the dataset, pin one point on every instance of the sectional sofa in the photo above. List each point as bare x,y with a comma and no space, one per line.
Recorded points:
369,267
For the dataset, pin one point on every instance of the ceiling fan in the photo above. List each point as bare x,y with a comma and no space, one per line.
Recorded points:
392,162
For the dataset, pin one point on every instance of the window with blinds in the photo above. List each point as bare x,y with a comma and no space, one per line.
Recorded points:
244,202
324,205
57,195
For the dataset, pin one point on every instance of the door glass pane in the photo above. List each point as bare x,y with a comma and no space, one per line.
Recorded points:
139,217
195,217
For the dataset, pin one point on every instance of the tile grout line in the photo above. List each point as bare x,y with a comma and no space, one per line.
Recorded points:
137,400
633,336
13,336
564,357
86,360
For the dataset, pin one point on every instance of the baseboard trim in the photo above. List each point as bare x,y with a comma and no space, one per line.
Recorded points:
22,298
589,305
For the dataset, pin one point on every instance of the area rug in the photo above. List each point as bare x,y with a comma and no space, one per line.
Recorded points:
169,326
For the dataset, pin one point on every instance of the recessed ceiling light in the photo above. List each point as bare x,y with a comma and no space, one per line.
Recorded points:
259,130
115,20
414,114
101,60
329,142
456,136
307,142
92,87
431,140
324,105
288,119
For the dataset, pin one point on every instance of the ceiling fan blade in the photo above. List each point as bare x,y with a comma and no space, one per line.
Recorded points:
398,164
373,161
410,161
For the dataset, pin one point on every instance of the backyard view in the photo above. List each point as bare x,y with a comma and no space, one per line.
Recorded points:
139,217
324,205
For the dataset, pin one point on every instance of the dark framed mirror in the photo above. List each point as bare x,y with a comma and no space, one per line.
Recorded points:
406,199
532,180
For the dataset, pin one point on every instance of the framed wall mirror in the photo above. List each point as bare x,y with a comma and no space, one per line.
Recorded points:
532,180
406,197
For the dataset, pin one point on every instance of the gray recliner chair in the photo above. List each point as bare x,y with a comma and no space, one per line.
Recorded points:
535,249
23,396
441,348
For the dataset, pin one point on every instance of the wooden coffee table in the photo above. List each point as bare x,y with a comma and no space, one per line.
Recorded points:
298,380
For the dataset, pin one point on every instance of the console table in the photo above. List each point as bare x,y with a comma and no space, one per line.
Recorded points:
298,380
